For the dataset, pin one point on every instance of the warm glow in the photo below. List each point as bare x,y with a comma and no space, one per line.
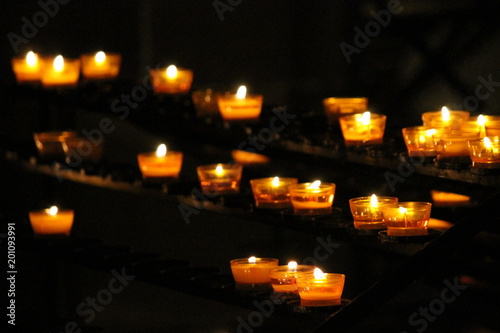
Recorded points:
365,118
445,113
52,210
59,63
481,120
318,274
252,260
292,266
315,185
430,132
171,72
275,182
31,59
487,143
402,210
373,200
241,93
161,151
219,170
100,57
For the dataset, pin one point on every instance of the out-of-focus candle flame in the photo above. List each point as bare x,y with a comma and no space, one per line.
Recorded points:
252,260
445,114
241,93
318,274
161,151
100,57
219,170
292,266
481,120
59,63
373,200
275,182
487,142
402,210
31,59
52,210
315,185
365,118
171,72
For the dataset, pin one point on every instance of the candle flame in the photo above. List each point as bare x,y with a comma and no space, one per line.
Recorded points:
241,93
318,274
161,150
52,210
315,185
430,132
402,210
171,72
487,142
292,266
31,59
373,200
100,57
365,118
219,170
481,120
59,63
252,260
445,113
275,182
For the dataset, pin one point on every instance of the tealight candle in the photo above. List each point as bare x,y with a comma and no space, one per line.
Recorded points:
485,152
253,273
220,179
407,218
49,144
312,198
320,289
240,106
171,80
161,164
284,278
27,69
52,221
60,72
419,141
445,118
452,147
100,65
272,192
367,211
363,128
335,107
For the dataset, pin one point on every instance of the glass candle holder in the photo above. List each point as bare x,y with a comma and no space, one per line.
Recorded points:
367,211
363,128
28,68
419,141
160,168
246,109
220,179
253,273
312,198
452,147
205,103
81,150
100,65
284,278
323,290
49,144
485,152
59,71
272,192
407,218
445,118
492,128
339,106
52,221
171,80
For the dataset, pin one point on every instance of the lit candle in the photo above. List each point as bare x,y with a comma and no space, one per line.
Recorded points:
367,211
364,128
444,118
284,278
171,80
220,179
485,152
160,164
240,107
60,72
320,289
101,65
27,69
418,141
453,147
312,198
51,221
253,273
272,192
407,218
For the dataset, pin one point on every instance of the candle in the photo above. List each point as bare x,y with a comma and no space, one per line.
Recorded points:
485,152
312,198
27,69
367,211
244,157
284,278
100,65
272,192
161,164
449,199
320,289
444,118
60,72
51,221
253,273
335,107
407,218
452,147
419,141
240,106
365,128
171,80
49,144
220,179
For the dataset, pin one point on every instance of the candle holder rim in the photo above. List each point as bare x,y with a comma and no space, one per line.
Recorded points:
373,115
368,198
257,260
232,166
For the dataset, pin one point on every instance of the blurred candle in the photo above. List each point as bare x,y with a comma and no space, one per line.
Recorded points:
485,152
220,179
445,118
320,289
60,72
160,164
27,69
51,221
418,141
240,106
171,80
365,128
100,65
272,192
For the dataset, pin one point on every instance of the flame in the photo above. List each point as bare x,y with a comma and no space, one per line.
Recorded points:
171,72
31,59
161,151
292,266
365,118
252,260
100,57
315,185
241,93
219,170
318,274
402,210
481,120
59,63
373,200
52,210
430,132
275,182
487,142
445,114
